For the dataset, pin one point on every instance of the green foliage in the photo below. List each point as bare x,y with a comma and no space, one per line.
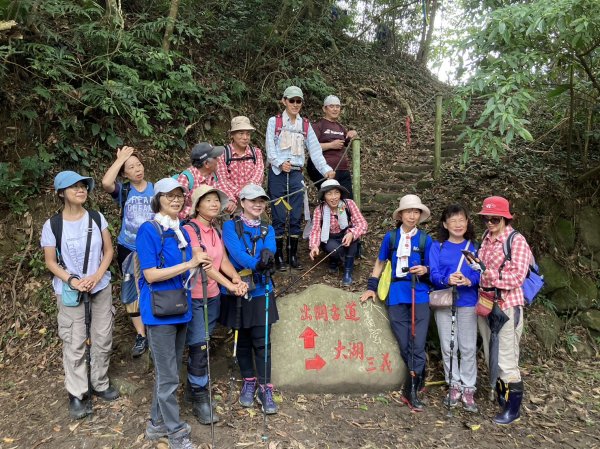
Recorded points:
524,53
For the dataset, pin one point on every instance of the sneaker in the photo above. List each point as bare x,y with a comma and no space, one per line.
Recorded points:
469,400
265,398
155,432
140,346
247,393
110,394
183,442
452,397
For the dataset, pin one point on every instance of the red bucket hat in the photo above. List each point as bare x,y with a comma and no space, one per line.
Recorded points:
496,205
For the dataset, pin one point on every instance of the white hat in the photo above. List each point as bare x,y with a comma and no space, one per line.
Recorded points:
331,100
252,191
166,185
412,202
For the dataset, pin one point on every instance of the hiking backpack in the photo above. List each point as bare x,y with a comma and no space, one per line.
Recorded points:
279,126
56,225
239,230
534,281
229,156
188,175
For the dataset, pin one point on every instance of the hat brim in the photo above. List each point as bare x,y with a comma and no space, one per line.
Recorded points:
71,182
503,214
425,212
255,197
242,128
343,190
195,200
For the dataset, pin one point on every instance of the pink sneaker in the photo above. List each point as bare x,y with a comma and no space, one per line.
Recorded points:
453,396
469,400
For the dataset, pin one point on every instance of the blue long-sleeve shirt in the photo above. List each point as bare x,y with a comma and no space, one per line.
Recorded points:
276,156
239,255
443,261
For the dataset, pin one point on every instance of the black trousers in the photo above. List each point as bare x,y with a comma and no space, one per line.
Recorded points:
251,352
344,177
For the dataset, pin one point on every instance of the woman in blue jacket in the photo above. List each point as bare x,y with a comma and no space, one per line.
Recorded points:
407,247
448,268
251,245
165,257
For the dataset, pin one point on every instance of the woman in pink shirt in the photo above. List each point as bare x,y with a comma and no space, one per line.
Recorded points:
207,204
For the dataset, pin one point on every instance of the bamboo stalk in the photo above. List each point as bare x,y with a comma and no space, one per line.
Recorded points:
437,152
356,171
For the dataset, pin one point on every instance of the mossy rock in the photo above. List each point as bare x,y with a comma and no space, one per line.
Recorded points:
547,327
564,300
589,228
555,275
585,291
562,234
591,320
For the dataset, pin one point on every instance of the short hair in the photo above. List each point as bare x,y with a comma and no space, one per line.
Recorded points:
122,167
155,203
449,211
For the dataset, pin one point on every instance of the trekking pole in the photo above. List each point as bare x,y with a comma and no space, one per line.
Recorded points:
88,346
452,337
413,374
236,329
296,279
265,435
207,338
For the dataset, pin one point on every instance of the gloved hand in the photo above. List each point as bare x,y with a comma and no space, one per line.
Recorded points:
267,261
475,266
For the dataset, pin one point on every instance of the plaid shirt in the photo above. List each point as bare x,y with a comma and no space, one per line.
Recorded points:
240,173
512,276
357,221
199,179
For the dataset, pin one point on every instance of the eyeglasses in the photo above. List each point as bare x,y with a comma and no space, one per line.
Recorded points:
295,100
492,220
173,197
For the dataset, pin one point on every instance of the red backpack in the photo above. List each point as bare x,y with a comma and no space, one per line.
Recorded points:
279,126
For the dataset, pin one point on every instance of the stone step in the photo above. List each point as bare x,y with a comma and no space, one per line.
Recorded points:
380,198
446,145
386,186
452,152
397,176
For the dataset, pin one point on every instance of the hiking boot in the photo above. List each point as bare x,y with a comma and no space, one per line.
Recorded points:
157,431
201,406
182,442
294,261
265,398
110,394
348,268
247,393
140,346
512,407
79,408
468,400
453,396
501,392
332,265
280,264
410,395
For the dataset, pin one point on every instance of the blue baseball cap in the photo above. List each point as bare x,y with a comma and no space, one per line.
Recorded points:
67,178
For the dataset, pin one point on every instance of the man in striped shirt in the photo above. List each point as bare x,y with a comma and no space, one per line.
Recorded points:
287,136
507,276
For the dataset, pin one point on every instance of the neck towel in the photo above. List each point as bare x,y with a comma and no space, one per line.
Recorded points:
171,223
342,217
403,252
291,135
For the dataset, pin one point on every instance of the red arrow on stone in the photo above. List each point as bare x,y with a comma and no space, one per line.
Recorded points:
309,338
317,363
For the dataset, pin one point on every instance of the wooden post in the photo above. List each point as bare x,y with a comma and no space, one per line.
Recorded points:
437,152
356,171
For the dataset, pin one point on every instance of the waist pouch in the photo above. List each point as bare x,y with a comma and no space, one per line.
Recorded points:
70,297
169,302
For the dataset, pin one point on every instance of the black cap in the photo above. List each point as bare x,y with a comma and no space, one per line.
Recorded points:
203,151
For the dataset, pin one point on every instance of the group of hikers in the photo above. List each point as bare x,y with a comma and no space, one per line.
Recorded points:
183,273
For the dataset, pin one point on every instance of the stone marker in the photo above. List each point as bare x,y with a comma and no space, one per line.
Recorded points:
327,342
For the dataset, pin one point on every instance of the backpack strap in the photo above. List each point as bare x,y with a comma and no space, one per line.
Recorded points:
239,230
188,175
422,241
124,194
160,232
56,225
229,156
305,126
279,126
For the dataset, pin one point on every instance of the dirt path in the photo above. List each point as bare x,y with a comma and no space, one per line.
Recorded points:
561,409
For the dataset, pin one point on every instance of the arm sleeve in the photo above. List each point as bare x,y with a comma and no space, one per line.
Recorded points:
148,244
272,157
359,224
48,240
514,272
316,152
471,274
259,169
315,233
435,275
116,194
235,247
224,183
384,249
428,243
193,237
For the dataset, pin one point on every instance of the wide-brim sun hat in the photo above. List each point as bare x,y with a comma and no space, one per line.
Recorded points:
68,178
331,184
241,123
201,191
412,202
496,206
253,191
167,185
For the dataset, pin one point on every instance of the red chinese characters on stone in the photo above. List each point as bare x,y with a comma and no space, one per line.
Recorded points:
350,311
305,315
339,351
386,365
321,312
335,312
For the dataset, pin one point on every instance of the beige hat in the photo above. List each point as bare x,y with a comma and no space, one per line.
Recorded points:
412,202
201,191
241,123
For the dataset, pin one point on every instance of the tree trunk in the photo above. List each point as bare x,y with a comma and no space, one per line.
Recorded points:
166,43
114,13
427,33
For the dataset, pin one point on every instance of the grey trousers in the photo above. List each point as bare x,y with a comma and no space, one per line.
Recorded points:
71,330
464,374
166,344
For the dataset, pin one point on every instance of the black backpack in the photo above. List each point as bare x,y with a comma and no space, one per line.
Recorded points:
56,225
229,156
239,230
422,241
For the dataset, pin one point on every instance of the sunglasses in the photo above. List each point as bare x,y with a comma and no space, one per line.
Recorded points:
492,220
295,100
